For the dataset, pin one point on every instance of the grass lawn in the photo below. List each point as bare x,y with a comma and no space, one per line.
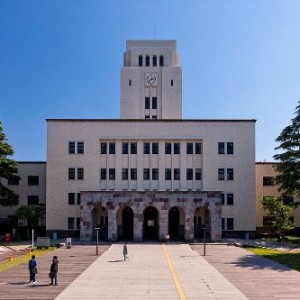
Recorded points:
23,258
289,259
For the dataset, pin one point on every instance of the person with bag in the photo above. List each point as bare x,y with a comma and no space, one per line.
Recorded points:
54,270
32,266
125,251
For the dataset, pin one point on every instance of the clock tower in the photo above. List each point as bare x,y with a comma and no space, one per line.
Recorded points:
151,81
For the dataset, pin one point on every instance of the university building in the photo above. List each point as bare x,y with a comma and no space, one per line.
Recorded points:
150,174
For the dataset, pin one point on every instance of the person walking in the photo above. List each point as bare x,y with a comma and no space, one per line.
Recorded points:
32,266
125,251
54,270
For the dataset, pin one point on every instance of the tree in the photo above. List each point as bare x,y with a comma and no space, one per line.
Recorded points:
8,170
29,213
288,167
280,215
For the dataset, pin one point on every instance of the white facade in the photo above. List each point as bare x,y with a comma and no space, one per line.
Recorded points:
98,170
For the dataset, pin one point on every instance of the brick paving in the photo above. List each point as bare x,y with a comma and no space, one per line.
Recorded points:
72,262
257,277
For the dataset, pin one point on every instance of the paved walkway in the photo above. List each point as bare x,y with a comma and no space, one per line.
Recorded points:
153,271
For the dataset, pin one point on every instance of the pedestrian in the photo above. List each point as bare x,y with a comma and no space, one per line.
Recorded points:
54,270
32,266
125,251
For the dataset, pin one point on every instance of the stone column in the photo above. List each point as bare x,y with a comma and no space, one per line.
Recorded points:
112,225
163,223
86,224
215,221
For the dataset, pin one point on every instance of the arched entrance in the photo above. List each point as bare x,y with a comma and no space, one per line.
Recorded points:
127,223
174,222
100,220
150,225
201,221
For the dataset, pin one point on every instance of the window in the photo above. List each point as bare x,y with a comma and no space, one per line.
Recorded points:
229,223
71,147
154,102
112,174
70,223
221,148
155,148
147,117
176,148
168,175
140,61
268,181
154,117
147,102
221,174
161,61
133,174
189,148
229,174
198,174
13,180
103,174
268,220
33,200
147,61
80,173
71,173
103,148
33,180
154,174
78,223
198,147
80,148
71,198
223,224
124,148
176,174
172,82
124,174
129,82
154,61
223,199
146,148
230,148
287,200
112,148
168,148
133,148
229,199
78,199
189,174
146,174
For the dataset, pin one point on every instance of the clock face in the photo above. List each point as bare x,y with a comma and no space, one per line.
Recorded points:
151,79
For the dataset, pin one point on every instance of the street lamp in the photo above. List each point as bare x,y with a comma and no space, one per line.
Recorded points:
97,239
204,240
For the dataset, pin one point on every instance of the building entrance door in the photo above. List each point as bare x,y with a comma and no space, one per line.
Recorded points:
150,225
127,223
174,223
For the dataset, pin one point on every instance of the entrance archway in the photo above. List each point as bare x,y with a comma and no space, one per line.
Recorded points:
174,222
150,226
201,221
100,220
127,223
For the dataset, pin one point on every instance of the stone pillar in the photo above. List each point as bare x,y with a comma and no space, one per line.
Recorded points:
138,227
163,223
215,221
189,225
112,225
86,224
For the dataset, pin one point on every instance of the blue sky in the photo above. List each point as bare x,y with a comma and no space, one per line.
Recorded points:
61,59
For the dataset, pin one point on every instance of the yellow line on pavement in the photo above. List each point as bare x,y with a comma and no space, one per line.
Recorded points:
174,275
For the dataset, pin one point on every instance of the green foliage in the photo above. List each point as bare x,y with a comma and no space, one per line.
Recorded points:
29,213
8,170
288,167
280,214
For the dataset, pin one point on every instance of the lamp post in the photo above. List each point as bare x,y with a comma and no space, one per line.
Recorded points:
204,241
97,239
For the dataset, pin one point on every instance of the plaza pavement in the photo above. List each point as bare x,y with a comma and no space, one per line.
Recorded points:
155,271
